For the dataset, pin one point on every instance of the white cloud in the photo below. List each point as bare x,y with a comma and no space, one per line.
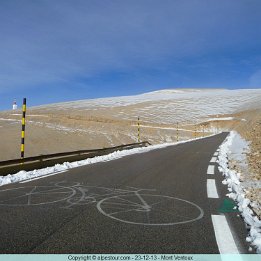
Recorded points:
255,79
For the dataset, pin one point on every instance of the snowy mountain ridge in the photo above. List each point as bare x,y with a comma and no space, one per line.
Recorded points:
167,106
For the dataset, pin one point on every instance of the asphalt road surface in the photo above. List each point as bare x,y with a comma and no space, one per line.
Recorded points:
154,202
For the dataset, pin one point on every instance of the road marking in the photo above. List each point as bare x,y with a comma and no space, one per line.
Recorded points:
44,176
216,153
211,188
224,238
211,169
214,159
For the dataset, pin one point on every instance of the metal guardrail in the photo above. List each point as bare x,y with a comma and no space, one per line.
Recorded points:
42,161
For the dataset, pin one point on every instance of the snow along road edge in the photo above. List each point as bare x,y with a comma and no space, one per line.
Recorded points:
58,168
232,180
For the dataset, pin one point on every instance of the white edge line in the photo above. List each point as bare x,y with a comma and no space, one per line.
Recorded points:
212,189
211,170
224,237
41,177
213,159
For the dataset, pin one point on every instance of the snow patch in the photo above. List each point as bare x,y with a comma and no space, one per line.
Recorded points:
221,119
12,120
213,130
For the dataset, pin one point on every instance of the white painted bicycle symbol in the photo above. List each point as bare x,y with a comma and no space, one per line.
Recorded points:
130,205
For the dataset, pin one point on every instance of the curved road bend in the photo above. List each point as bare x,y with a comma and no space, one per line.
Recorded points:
162,201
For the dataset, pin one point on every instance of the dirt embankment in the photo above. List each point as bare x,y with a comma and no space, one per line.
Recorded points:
250,129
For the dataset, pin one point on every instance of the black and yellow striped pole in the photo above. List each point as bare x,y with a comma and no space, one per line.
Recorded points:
177,132
138,129
23,128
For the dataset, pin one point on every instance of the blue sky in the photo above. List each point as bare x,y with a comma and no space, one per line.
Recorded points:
52,51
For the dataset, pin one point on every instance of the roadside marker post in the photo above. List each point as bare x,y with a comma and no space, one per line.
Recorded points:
23,128
138,129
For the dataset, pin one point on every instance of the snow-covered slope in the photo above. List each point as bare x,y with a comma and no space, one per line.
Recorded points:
169,106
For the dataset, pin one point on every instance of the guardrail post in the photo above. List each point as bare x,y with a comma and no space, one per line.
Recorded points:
23,129
138,129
